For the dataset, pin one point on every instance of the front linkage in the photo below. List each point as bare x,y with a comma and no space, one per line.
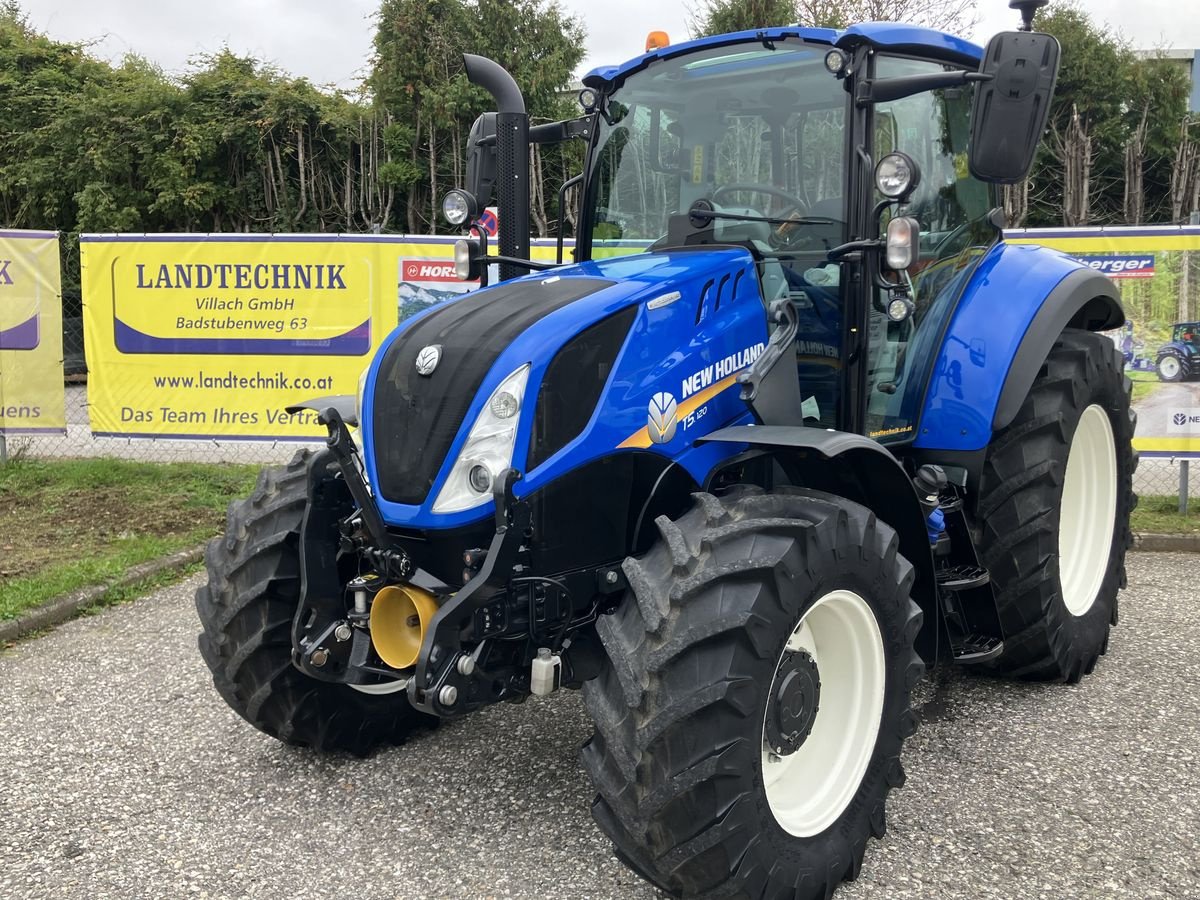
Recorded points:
504,634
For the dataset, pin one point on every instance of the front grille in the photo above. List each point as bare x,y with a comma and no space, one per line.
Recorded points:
415,417
572,386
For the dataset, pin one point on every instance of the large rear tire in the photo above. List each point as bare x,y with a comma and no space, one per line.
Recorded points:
246,609
750,720
1055,499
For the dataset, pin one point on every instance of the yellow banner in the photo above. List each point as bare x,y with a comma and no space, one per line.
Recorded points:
31,372
214,335
1157,270
199,336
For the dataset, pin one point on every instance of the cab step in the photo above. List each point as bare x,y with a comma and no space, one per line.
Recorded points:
962,577
973,649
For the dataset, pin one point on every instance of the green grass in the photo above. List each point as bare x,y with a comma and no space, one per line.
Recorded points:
68,524
1144,384
1160,515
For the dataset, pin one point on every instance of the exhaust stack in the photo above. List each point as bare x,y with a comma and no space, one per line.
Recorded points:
512,146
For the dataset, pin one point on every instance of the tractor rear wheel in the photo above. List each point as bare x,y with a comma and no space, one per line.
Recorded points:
1054,504
748,726
246,610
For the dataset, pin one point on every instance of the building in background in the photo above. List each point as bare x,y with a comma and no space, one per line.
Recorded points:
1189,61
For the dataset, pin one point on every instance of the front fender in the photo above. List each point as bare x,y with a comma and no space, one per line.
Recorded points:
1011,312
861,470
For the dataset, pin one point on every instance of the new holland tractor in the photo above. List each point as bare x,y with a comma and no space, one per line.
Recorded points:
795,425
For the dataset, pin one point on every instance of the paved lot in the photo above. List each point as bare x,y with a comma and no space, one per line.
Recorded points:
125,776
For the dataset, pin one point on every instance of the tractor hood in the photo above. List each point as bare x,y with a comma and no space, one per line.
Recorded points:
595,337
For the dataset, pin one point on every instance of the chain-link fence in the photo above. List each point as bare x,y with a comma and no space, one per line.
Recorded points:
1168,478
79,441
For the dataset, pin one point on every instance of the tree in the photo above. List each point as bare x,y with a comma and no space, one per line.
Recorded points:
721,16
417,80
1113,133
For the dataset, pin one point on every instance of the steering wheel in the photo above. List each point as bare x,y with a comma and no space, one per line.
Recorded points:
795,202
783,237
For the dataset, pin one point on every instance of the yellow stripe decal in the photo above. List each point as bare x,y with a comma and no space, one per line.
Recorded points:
640,439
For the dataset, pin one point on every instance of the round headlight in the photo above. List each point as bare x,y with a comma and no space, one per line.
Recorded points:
456,207
897,175
900,309
587,99
480,478
505,405
835,62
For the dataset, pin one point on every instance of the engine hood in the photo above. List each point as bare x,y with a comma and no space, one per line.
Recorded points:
414,424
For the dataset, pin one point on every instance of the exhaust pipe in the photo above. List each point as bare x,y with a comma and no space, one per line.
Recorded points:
400,615
512,158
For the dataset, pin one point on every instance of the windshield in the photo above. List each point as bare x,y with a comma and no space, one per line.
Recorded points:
758,129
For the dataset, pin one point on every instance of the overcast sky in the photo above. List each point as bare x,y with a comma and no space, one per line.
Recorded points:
330,42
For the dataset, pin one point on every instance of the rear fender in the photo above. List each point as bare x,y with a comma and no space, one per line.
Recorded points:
1011,312
860,470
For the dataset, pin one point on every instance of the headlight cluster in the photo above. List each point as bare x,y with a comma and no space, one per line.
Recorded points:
488,450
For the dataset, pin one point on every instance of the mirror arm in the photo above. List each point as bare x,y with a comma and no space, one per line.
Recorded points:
557,132
907,85
531,264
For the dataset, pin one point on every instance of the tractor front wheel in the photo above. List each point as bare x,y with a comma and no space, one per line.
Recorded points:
1171,368
246,609
750,720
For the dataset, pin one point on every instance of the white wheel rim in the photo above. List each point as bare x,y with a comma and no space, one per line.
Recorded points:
1088,512
387,687
1168,366
809,789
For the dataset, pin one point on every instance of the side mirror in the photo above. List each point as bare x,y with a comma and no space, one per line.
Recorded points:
1013,105
482,159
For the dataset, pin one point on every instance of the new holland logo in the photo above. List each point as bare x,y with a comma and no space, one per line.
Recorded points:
660,418
428,359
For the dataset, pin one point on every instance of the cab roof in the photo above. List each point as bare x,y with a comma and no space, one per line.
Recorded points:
899,38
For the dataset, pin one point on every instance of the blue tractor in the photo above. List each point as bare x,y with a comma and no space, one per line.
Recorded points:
794,426
1179,359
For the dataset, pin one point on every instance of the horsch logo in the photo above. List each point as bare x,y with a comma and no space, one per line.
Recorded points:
428,270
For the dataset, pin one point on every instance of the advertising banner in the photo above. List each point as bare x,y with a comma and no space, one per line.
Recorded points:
31,371
1157,270
214,335
426,267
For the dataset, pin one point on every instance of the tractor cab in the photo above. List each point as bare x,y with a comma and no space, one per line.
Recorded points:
764,133
858,169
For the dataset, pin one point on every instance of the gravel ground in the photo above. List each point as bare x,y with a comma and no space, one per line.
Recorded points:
126,776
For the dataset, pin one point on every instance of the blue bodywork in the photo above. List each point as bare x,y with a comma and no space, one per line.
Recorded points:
994,311
665,345
892,35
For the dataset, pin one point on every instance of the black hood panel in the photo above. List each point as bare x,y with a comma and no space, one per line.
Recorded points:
416,417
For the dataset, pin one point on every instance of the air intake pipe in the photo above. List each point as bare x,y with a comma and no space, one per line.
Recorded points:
512,152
